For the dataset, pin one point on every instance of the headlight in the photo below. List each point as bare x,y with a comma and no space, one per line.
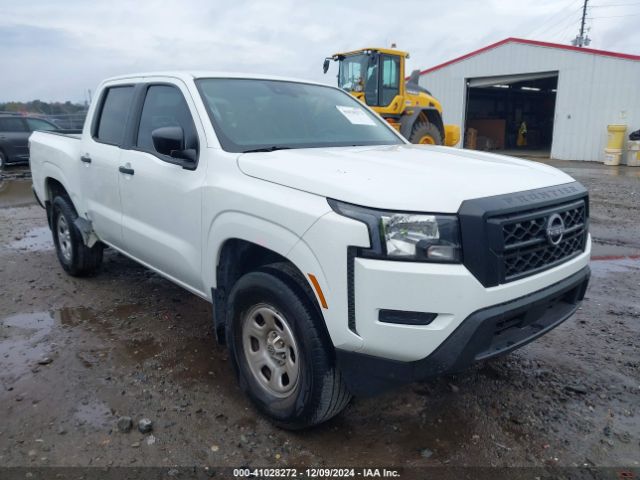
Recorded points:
407,236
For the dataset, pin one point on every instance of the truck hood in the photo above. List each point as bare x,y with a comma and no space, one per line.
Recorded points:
400,177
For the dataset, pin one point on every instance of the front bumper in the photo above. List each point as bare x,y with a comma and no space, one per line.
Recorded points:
485,333
448,290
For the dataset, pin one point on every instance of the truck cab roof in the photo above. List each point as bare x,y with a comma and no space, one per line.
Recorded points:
187,75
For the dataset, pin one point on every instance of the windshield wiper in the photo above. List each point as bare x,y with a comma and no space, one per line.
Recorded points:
273,148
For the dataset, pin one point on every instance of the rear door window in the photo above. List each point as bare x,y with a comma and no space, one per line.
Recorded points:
12,124
113,116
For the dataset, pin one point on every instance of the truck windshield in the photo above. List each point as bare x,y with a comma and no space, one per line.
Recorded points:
355,72
258,115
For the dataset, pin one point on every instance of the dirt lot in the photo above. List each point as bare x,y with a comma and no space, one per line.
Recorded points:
75,355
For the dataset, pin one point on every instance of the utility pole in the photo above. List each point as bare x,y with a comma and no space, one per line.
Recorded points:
584,15
581,40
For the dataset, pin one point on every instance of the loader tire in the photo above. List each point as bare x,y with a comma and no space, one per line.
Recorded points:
425,134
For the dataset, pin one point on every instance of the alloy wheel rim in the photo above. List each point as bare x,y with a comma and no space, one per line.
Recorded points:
64,237
271,350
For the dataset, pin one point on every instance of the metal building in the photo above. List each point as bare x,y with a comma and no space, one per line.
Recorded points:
566,96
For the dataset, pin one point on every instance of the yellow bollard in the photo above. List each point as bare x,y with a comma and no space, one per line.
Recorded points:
615,139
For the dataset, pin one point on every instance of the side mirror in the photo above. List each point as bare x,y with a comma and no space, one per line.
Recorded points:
170,141
325,65
167,140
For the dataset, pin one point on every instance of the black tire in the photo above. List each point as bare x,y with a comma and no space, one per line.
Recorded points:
423,129
75,257
319,393
3,160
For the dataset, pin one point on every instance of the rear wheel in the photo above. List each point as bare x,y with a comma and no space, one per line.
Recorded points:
75,257
426,134
283,359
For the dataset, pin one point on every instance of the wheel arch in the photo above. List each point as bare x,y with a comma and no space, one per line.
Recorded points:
52,188
243,243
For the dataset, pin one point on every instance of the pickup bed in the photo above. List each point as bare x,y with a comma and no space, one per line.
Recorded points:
340,260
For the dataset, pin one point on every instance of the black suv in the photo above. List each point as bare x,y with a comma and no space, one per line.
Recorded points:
14,137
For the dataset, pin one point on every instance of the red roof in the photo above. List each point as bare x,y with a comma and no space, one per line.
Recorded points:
537,43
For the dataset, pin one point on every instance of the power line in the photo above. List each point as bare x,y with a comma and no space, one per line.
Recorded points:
565,30
568,22
562,17
556,23
616,5
616,16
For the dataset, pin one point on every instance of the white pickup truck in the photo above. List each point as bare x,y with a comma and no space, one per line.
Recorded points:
340,260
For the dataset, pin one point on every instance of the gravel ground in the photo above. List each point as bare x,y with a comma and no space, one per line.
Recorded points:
77,355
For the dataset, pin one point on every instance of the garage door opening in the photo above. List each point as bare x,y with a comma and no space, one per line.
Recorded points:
511,114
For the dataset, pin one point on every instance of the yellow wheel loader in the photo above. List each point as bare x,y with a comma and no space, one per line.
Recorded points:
375,76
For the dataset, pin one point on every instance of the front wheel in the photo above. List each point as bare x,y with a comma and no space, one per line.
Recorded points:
283,359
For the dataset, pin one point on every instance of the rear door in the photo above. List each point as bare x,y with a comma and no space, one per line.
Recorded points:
14,138
161,200
100,158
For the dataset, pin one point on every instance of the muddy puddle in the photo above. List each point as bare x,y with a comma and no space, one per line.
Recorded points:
22,343
126,335
37,239
93,413
16,193
581,168
620,171
609,265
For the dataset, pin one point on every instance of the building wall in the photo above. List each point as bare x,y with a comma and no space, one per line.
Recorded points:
593,91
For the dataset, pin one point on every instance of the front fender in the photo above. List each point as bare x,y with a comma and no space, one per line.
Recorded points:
236,225
243,226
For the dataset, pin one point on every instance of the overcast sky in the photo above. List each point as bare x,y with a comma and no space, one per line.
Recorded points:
57,50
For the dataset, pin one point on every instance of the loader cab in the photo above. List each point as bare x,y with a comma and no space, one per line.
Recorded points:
374,76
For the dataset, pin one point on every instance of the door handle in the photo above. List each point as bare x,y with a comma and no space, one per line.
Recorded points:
125,170
85,158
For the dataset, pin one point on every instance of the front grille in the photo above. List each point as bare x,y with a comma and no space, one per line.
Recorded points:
525,248
504,237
